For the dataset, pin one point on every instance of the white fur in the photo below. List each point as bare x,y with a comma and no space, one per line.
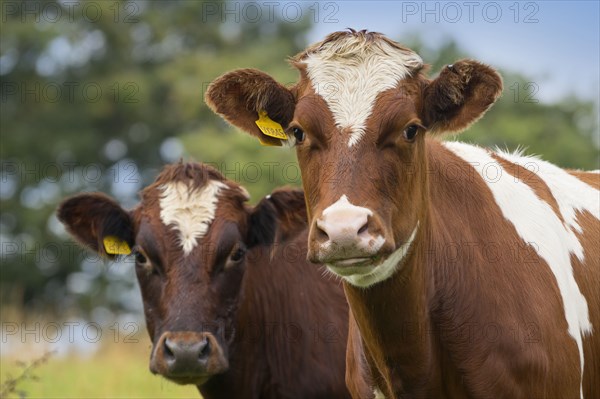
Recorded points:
537,223
350,73
570,193
370,275
377,394
189,211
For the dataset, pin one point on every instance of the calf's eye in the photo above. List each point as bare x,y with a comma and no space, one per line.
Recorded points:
238,254
235,258
411,132
142,261
140,258
299,135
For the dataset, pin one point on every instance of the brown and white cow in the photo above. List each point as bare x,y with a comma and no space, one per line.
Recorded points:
231,303
469,273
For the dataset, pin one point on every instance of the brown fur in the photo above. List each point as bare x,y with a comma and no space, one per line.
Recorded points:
474,311
460,96
277,329
590,178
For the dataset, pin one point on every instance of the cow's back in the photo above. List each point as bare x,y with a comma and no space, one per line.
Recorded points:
516,261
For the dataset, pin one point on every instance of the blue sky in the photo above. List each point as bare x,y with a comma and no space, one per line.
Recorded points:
556,43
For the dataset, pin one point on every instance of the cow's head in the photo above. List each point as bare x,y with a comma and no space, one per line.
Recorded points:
358,118
189,236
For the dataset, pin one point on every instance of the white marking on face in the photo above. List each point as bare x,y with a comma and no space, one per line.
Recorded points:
537,223
350,73
189,211
366,276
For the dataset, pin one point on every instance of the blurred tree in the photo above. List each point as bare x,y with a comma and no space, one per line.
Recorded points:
96,96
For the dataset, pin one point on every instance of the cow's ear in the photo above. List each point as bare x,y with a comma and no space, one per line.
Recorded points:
459,96
99,223
242,96
277,217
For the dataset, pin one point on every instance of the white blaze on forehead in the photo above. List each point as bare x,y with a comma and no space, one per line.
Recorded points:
538,225
189,211
349,73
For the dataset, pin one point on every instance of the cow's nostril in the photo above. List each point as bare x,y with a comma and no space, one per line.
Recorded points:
204,349
321,235
169,347
363,229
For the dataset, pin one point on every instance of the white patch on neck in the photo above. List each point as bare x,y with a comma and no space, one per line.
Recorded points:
189,211
537,223
349,74
380,272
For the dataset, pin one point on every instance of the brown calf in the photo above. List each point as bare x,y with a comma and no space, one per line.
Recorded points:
467,274
231,304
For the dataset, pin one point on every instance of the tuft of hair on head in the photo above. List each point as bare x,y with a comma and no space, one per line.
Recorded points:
194,175
358,43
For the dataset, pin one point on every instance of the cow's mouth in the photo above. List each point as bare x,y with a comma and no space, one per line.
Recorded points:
367,271
354,266
189,379
350,263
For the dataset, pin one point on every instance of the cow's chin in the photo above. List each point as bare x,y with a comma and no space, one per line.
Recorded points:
195,378
360,266
198,380
366,272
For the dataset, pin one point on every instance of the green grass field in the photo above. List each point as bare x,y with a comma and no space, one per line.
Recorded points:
115,371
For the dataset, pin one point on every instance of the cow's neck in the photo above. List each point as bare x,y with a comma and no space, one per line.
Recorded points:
248,347
398,328
395,316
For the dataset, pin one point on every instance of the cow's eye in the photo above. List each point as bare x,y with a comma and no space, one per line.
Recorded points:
411,132
238,254
140,258
142,261
299,135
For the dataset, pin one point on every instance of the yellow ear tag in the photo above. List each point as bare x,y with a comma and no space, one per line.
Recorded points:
115,246
269,127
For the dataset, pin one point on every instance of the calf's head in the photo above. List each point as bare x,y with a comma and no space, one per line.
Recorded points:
189,236
358,118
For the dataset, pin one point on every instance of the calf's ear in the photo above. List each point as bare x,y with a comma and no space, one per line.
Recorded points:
277,217
459,96
239,96
99,223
